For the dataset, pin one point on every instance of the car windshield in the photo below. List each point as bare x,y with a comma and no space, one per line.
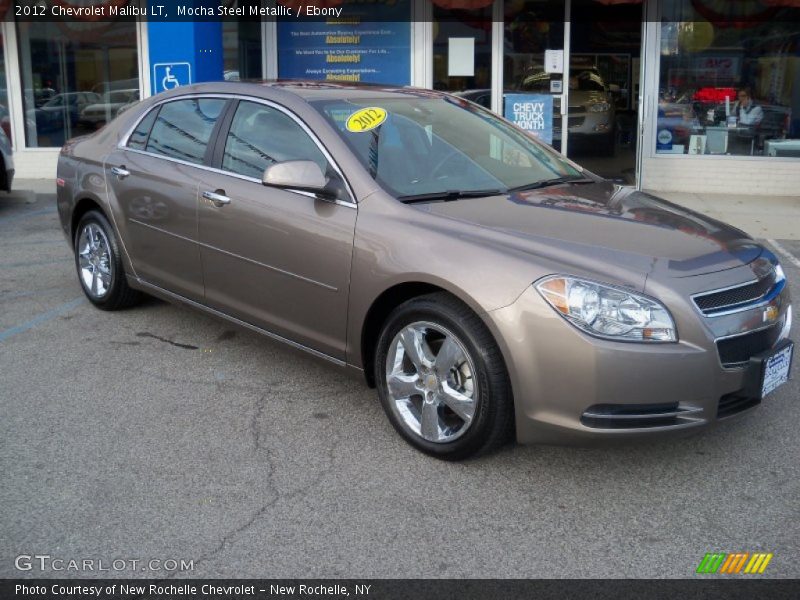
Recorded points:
429,146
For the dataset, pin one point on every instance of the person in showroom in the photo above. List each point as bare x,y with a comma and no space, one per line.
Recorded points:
749,116
747,112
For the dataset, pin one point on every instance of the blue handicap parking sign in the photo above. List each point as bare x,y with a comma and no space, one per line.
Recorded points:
168,76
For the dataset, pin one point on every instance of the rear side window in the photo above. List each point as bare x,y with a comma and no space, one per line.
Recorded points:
138,138
261,135
182,128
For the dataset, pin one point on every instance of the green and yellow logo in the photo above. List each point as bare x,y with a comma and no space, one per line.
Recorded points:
738,562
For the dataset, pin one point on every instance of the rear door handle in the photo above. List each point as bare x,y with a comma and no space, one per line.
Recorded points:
120,172
219,199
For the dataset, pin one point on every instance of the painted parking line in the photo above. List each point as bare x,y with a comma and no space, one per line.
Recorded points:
35,263
25,215
28,293
39,319
785,253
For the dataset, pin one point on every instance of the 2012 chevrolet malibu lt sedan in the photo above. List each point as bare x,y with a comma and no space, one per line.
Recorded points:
483,283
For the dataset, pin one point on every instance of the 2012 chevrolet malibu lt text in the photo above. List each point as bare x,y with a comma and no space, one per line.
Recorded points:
483,283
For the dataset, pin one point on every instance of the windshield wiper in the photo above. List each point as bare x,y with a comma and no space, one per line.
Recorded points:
548,182
448,195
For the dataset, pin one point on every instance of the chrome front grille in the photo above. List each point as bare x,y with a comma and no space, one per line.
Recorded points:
639,416
739,297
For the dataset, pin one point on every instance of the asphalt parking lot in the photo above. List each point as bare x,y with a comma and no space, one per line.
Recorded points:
160,433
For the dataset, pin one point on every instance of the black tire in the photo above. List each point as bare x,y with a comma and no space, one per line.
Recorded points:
118,294
492,424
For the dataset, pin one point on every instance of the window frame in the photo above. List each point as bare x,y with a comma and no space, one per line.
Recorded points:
220,134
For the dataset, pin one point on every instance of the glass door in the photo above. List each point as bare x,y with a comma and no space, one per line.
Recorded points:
462,52
571,77
605,43
534,65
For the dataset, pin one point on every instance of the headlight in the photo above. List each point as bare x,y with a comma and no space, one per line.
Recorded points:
600,107
779,273
607,311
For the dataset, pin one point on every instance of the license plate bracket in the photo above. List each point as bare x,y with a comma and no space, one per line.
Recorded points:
769,370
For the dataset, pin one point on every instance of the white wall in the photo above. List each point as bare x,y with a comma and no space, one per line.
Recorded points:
700,174
35,164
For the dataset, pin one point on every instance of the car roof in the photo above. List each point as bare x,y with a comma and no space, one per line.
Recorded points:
308,90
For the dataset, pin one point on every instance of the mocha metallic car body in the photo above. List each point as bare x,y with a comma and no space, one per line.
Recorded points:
323,275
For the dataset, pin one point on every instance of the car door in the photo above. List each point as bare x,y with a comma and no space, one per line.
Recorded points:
153,183
275,258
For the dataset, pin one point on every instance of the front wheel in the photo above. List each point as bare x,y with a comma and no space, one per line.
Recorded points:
99,264
442,380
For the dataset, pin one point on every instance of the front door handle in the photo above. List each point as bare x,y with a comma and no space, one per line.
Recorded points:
218,199
120,172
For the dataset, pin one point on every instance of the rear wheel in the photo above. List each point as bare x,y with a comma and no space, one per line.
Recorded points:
99,264
442,380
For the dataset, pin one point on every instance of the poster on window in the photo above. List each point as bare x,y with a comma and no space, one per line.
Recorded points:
352,49
531,112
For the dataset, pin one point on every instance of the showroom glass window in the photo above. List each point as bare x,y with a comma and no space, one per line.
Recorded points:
241,49
729,81
370,44
5,118
75,77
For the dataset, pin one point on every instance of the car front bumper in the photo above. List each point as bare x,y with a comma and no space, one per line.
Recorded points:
570,387
587,124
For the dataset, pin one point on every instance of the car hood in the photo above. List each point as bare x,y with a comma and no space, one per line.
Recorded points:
586,97
607,224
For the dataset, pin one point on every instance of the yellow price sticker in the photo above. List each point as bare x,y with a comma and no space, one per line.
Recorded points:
366,119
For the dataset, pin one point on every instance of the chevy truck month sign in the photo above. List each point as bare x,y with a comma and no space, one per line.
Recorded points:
531,112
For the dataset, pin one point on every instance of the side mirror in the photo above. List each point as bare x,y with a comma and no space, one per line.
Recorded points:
304,175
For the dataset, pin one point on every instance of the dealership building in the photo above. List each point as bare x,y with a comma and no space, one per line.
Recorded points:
669,95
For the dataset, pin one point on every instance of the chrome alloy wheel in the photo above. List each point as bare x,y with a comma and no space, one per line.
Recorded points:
431,382
94,260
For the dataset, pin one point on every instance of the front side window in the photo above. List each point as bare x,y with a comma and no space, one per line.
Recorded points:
729,81
437,145
183,128
261,135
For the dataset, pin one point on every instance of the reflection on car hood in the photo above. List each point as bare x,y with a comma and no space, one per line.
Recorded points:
611,223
